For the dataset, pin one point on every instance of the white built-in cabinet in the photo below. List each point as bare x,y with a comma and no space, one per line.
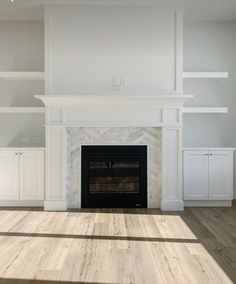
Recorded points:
208,174
195,175
9,175
21,175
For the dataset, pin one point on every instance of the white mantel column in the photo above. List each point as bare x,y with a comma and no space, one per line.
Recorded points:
55,168
172,198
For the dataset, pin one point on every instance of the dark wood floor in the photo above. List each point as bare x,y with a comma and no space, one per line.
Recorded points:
118,246
215,228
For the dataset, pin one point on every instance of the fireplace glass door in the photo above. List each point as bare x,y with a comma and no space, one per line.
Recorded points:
114,176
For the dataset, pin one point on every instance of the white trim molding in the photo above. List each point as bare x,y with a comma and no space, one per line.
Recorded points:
205,110
25,76
23,110
116,111
21,203
205,75
207,203
172,205
170,18
54,205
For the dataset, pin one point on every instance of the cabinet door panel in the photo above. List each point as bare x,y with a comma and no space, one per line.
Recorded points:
196,175
9,176
32,175
221,175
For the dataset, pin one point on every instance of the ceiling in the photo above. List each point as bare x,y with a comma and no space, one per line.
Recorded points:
195,10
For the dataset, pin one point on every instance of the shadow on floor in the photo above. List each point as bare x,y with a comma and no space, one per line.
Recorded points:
97,237
128,211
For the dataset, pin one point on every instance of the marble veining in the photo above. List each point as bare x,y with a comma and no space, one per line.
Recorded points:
150,136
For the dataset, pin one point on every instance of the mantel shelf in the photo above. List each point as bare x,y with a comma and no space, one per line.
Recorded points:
186,110
206,110
22,110
205,75
25,76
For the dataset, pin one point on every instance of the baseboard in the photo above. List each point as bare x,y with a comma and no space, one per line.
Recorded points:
55,205
208,203
21,203
172,205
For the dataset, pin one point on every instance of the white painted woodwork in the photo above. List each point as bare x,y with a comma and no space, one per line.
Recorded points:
196,175
21,203
208,175
31,175
56,163
21,176
9,175
207,203
220,175
98,111
18,149
206,110
129,110
98,44
171,169
106,48
22,110
205,75
208,149
25,76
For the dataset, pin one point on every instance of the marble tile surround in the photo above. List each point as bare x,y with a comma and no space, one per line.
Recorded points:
150,136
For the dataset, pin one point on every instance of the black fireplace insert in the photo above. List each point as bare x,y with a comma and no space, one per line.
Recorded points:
114,177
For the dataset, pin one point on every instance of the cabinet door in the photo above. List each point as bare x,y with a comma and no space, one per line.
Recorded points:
196,175
9,175
32,175
221,175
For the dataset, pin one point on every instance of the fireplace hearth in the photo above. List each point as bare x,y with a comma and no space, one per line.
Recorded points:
114,176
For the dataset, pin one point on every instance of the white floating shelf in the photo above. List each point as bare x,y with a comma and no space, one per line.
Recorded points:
26,76
205,110
22,110
205,75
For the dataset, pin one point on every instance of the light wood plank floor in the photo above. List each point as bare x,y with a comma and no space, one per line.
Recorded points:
118,246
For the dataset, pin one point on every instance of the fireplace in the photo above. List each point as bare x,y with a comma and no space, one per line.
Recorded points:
76,120
114,176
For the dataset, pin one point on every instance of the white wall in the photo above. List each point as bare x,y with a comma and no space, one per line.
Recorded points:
87,47
21,46
21,49
211,46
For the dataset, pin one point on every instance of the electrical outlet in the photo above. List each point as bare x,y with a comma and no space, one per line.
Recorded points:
36,140
26,140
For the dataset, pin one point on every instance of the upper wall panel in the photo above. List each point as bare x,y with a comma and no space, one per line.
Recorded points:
87,49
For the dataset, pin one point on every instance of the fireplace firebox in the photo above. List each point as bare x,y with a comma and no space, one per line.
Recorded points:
114,177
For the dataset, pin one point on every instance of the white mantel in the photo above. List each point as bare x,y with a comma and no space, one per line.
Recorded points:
114,110
163,111
114,100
